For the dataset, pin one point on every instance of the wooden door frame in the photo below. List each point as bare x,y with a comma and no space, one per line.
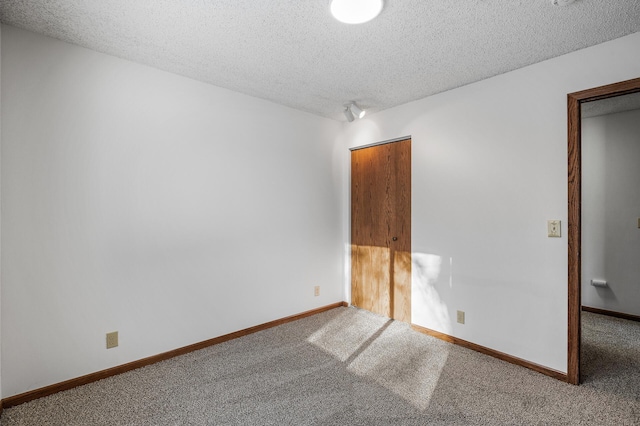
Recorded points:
574,102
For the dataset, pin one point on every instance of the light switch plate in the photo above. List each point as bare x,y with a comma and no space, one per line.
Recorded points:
554,228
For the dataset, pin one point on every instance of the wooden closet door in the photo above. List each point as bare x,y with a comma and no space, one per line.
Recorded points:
381,229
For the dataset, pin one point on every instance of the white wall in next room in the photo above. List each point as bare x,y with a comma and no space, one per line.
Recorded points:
610,211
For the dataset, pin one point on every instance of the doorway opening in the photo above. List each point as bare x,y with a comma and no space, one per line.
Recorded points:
574,107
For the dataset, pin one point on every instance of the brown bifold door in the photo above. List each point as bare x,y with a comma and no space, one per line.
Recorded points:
381,229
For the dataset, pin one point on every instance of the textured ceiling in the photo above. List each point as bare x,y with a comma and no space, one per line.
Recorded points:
294,53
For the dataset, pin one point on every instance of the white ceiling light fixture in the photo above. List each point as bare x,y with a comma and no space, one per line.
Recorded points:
355,11
561,2
352,111
348,114
357,111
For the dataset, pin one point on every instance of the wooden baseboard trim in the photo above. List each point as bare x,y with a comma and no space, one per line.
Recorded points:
99,375
491,352
611,313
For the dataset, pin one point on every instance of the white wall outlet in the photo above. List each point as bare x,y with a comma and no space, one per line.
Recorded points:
316,290
460,317
553,228
112,340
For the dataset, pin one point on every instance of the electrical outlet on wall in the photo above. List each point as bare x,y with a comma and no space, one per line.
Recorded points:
460,317
316,290
112,340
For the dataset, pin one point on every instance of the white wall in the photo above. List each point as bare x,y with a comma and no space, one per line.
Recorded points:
489,168
144,202
610,211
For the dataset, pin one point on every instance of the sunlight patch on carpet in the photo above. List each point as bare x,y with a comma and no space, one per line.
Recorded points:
381,350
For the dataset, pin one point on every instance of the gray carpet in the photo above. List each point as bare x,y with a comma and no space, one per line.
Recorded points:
351,367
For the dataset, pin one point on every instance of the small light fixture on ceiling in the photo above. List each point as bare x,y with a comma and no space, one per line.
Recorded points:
355,11
561,2
357,111
352,111
348,114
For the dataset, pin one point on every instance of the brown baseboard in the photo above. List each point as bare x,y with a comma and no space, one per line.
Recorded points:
496,354
99,375
611,313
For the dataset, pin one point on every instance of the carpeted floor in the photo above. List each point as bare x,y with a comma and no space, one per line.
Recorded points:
351,367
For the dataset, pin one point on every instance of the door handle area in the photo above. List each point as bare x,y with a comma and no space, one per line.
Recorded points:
395,238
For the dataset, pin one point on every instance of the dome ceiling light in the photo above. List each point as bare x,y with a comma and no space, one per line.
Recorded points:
355,11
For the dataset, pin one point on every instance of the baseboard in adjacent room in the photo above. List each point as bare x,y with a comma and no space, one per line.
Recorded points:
103,374
491,352
611,313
